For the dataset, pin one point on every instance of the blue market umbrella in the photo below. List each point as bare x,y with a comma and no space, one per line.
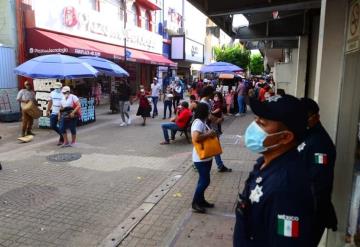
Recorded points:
218,67
56,66
105,66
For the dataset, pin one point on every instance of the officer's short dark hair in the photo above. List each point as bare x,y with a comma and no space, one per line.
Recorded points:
310,106
185,104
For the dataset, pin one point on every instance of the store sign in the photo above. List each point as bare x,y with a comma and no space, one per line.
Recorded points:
69,17
173,21
353,28
194,51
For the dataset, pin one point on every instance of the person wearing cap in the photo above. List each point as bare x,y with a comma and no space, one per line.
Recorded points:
179,122
53,109
155,94
24,96
68,115
276,208
319,153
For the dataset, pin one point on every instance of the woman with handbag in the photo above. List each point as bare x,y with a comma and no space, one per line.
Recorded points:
69,113
206,145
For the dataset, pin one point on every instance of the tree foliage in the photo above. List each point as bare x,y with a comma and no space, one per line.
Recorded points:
256,64
235,54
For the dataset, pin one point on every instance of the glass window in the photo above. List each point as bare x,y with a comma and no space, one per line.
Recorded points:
132,16
147,21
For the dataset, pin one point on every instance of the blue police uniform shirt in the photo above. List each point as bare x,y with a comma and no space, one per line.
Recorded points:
279,205
319,153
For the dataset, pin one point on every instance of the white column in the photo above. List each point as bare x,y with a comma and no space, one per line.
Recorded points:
330,61
301,66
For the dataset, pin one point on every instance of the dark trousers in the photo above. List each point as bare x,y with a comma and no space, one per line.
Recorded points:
155,101
176,101
68,123
167,105
54,125
203,182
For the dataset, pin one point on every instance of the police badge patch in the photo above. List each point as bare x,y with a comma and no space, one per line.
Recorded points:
255,194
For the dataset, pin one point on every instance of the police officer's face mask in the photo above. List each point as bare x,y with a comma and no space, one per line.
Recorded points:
255,137
58,90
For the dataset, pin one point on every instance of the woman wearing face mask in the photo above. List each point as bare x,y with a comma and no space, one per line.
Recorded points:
53,110
68,115
276,207
200,132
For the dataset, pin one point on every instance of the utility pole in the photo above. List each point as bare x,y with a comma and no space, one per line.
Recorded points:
125,20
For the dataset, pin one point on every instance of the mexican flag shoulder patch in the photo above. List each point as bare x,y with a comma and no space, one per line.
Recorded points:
321,158
288,226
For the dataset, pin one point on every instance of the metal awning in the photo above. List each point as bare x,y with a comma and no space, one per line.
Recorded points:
294,16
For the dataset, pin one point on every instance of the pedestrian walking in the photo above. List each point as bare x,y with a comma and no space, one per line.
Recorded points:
53,110
241,91
155,94
25,96
69,113
199,133
144,109
124,94
229,99
96,92
168,96
183,116
319,154
276,206
177,94
206,96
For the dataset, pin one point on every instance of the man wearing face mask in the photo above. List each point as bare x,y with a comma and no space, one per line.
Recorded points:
24,96
53,109
276,208
319,154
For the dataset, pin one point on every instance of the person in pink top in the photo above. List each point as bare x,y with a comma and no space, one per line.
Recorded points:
229,99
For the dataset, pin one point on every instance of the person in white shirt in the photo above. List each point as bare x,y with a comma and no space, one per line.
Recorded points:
69,113
155,93
53,109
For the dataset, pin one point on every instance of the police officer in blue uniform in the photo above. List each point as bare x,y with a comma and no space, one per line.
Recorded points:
319,153
276,208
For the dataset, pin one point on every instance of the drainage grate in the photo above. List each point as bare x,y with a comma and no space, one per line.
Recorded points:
31,196
64,157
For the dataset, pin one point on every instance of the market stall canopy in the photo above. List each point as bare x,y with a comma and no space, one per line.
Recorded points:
105,66
56,66
219,67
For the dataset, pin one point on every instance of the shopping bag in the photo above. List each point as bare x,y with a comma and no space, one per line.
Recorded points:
32,109
208,148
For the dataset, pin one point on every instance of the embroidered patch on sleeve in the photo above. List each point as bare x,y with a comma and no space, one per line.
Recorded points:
288,226
320,158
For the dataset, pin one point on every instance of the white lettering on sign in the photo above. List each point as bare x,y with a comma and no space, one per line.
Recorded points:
353,29
46,51
69,17
88,53
194,51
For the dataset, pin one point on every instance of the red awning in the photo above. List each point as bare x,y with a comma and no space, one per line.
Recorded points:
43,42
148,4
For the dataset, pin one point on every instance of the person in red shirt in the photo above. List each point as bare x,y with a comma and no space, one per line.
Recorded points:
182,118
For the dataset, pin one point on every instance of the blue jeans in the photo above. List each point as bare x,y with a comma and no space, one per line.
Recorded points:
155,100
167,104
219,161
204,180
169,126
68,123
241,102
54,125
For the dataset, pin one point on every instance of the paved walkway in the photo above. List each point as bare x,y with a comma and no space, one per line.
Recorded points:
125,188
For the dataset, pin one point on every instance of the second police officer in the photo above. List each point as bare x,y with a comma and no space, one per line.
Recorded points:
276,206
318,152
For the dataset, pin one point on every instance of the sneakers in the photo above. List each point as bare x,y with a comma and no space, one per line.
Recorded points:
197,208
30,133
224,169
129,121
206,204
66,145
122,124
237,115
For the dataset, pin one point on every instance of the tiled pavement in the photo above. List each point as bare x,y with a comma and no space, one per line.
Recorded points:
79,203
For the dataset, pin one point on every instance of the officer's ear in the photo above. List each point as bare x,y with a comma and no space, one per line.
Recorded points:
287,137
